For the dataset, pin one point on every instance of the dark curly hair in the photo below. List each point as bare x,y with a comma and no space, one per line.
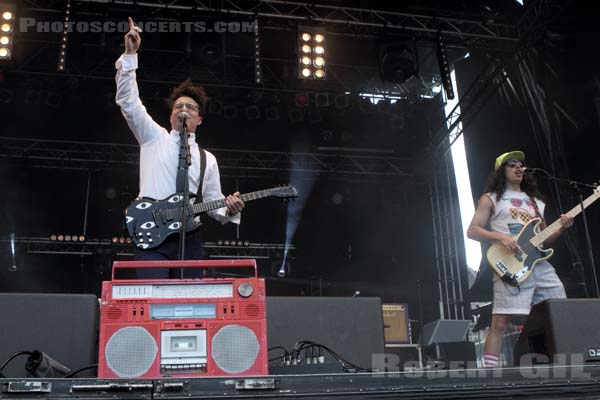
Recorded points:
187,88
496,183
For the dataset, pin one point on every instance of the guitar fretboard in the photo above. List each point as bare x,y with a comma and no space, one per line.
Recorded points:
541,237
216,204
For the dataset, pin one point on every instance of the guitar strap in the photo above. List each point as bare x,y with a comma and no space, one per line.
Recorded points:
202,169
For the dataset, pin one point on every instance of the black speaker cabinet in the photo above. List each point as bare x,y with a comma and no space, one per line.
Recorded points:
560,331
64,326
351,326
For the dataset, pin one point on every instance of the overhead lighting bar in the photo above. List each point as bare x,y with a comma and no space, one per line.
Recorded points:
311,53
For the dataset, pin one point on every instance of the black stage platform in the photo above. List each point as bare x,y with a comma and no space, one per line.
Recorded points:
546,382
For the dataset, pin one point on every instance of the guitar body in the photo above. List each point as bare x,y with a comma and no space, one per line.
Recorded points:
149,222
516,268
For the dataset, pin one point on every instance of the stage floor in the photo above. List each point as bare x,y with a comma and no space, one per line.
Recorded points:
540,382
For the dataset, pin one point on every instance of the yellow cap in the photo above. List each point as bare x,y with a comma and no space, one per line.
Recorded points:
511,155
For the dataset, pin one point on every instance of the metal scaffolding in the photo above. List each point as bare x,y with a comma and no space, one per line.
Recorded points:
446,242
65,154
93,246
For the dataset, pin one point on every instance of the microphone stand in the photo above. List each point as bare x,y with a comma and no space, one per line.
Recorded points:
186,192
577,186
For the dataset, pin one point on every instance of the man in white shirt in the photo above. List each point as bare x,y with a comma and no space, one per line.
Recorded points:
159,153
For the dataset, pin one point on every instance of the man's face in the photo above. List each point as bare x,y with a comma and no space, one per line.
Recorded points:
514,171
188,105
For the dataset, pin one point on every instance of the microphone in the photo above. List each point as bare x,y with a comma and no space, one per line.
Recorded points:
356,293
527,170
183,116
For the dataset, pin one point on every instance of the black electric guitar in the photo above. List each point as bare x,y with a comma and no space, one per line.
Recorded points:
150,221
515,268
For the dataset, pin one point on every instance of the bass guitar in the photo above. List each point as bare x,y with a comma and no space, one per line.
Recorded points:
149,221
515,268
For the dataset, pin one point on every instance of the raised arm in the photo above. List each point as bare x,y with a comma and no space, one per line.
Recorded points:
127,97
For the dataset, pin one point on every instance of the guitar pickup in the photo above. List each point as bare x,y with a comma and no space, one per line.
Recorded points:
519,256
502,267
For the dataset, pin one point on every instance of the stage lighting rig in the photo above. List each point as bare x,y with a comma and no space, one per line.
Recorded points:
62,53
442,56
7,30
311,53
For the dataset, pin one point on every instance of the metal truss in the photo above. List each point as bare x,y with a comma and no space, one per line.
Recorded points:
99,247
534,22
470,30
65,154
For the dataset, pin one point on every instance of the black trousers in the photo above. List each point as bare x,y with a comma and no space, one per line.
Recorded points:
169,250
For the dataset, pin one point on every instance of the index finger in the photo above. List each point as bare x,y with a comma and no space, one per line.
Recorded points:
131,24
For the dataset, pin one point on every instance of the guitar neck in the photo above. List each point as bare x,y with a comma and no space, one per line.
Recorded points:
541,237
216,204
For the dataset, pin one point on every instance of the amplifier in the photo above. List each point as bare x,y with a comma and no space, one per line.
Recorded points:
183,328
395,323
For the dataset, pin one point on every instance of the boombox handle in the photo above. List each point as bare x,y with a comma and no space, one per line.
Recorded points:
185,264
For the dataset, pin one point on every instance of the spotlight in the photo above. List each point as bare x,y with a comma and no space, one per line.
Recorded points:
311,51
398,61
246,243
122,240
74,238
115,240
67,238
219,243
7,30
60,238
240,243
81,238
53,238
301,100
128,240
226,242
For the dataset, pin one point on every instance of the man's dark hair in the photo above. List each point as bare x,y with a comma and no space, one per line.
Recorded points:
187,88
496,183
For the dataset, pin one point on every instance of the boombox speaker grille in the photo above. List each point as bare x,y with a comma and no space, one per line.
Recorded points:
235,348
130,352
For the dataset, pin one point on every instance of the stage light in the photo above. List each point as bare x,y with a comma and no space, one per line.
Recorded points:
115,240
398,61
74,238
122,240
219,243
128,240
67,238
62,53
60,238
311,51
239,243
246,243
226,242
81,238
7,29
444,67
53,238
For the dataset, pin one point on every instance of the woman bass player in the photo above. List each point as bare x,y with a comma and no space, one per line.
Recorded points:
510,201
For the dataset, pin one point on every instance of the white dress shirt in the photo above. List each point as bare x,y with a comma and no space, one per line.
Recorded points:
159,149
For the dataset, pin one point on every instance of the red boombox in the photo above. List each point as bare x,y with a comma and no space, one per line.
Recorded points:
183,327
